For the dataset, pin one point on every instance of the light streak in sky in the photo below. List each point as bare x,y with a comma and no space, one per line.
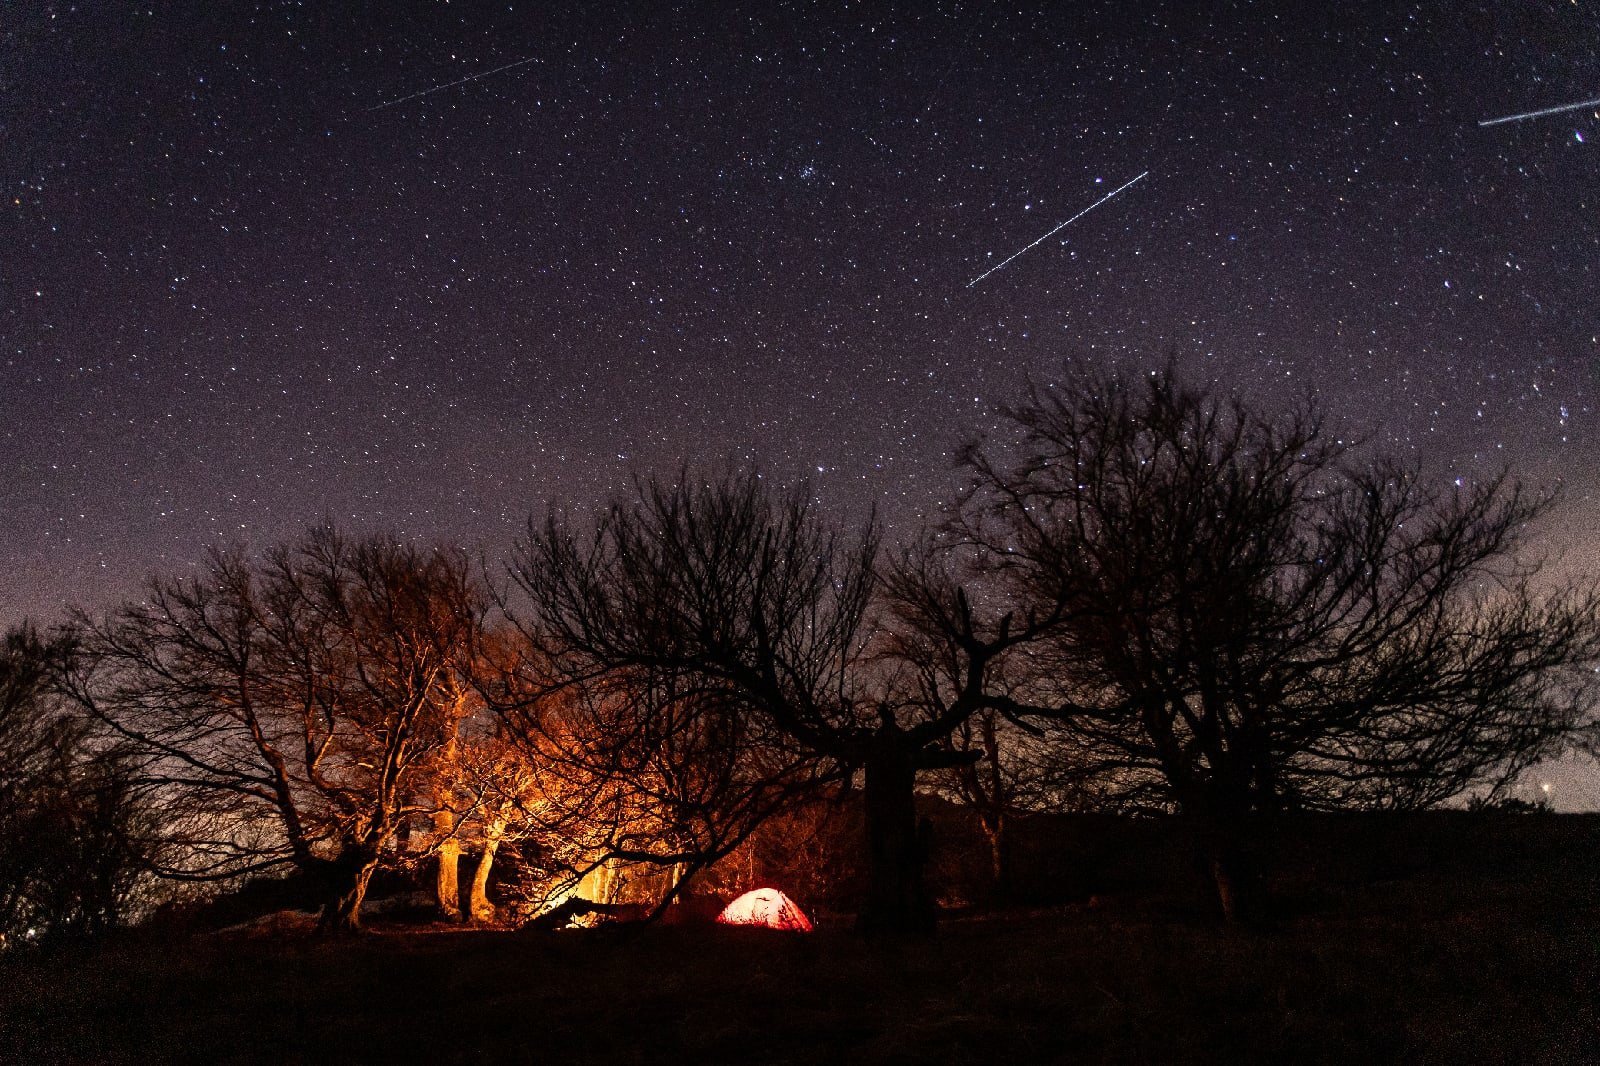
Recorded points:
1542,112
1053,232
449,84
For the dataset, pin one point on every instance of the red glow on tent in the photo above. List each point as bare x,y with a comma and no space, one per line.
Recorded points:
766,907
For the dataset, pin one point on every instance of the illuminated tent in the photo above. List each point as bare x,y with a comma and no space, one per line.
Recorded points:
766,907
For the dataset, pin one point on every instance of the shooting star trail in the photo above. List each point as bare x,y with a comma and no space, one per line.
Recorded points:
1542,112
1053,232
450,84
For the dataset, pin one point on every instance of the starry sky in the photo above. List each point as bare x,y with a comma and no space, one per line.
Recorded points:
265,265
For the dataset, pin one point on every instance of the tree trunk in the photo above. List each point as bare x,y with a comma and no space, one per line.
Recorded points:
447,885
347,878
999,855
897,899
1226,879
1229,874
994,819
478,906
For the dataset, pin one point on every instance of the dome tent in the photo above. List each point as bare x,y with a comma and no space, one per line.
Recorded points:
766,907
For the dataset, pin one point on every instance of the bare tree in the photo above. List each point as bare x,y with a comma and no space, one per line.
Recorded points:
446,785
74,834
646,767
507,807
1242,615
284,706
1008,775
494,791
731,625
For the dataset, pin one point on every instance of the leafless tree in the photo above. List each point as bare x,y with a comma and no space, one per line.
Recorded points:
284,706
509,801
1235,613
642,761
448,785
73,832
1011,772
492,790
729,627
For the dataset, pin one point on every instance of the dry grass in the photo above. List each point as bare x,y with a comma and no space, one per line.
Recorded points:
1450,988
1429,968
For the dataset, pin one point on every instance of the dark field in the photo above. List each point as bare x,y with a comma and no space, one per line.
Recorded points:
1480,942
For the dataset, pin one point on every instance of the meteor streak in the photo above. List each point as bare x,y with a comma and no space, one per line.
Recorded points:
1053,232
1542,112
449,84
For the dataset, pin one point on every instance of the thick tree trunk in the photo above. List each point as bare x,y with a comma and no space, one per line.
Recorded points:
897,898
347,878
478,906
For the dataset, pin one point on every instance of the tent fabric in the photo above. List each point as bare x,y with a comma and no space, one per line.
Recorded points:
766,907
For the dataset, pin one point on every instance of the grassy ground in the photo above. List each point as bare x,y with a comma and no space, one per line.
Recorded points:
1434,967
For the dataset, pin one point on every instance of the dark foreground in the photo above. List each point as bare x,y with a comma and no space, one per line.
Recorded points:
1437,967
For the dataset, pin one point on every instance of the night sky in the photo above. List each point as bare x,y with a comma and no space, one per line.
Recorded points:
243,290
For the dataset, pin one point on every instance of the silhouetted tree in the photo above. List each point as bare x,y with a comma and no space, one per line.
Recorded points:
1013,771
672,774
951,667
731,625
1235,614
74,832
285,706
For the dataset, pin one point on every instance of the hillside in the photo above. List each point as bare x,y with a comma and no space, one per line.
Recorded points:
1484,947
